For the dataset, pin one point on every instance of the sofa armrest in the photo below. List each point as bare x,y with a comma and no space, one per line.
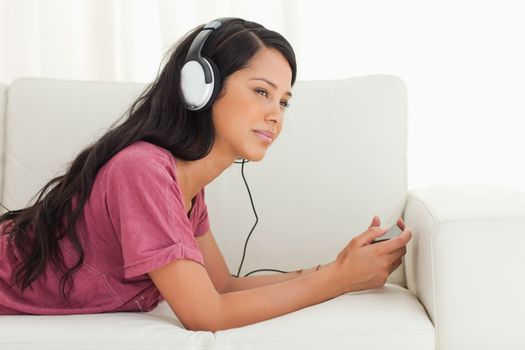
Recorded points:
465,263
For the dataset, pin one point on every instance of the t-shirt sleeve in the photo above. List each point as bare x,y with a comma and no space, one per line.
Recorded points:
146,209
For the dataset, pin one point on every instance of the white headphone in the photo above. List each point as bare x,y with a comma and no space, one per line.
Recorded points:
200,77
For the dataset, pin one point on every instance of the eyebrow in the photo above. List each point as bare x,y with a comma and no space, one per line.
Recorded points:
272,84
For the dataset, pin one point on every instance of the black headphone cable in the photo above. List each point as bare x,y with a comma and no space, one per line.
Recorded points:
255,224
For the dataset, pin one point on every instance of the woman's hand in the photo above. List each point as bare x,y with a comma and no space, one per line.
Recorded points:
362,265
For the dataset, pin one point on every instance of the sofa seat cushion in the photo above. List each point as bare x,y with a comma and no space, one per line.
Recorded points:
389,317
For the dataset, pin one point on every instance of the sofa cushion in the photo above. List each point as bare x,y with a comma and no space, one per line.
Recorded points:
340,159
3,92
50,121
388,317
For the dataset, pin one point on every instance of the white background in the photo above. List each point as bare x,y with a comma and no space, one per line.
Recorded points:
462,62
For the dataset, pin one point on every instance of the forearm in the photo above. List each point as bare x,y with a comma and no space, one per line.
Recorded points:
249,282
240,308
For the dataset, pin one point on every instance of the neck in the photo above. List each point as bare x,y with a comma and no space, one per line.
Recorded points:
194,175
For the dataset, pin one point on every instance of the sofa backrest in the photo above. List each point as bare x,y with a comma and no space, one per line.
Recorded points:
340,159
3,100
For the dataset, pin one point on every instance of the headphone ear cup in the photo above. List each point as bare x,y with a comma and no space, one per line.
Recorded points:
217,83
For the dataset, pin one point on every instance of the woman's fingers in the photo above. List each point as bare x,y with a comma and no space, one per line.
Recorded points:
376,221
398,253
375,231
396,264
368,236
401,240
396,243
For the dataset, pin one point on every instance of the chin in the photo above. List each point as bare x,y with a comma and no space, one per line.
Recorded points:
254,156
254,152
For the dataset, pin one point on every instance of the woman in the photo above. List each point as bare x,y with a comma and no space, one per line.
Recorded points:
126,226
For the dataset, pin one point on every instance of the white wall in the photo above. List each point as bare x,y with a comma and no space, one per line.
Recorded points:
462,61
463,64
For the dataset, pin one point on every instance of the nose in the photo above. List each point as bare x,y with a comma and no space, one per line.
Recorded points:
275,115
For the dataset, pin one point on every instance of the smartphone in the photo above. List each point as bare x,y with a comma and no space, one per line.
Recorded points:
391,233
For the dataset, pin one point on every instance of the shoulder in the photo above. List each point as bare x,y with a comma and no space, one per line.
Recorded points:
140,157
142,150
141,163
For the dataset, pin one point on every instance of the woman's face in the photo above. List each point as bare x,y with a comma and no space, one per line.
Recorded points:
253,100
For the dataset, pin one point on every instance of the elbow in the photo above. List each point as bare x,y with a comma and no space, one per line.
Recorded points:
205,326
211,320
203,329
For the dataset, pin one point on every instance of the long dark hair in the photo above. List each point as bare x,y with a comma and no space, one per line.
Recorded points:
158,117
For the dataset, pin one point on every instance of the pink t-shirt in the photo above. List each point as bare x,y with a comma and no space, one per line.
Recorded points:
134,222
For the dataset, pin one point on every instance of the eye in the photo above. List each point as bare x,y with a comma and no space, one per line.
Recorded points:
262,92
285,104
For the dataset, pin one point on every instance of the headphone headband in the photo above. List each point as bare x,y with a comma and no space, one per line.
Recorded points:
194,53
196,46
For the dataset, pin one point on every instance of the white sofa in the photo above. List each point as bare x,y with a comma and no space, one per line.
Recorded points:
341,158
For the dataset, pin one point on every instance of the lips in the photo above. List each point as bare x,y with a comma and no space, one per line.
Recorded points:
268,134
